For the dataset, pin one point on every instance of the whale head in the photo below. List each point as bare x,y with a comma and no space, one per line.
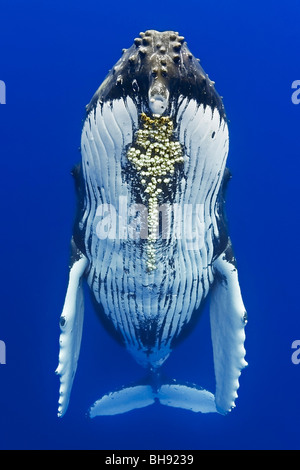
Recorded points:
155,72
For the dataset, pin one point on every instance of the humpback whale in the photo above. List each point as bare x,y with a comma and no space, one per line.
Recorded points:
150,234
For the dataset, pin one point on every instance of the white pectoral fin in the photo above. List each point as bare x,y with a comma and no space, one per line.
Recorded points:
228,320
71,322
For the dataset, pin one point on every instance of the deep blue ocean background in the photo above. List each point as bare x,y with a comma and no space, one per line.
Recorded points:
53,57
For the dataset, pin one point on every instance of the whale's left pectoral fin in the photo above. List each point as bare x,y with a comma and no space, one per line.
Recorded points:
71,322
228,319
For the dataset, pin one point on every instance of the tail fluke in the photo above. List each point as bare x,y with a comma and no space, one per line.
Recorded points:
123,400
186,396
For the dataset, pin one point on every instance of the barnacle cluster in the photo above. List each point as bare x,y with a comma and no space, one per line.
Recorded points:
154,156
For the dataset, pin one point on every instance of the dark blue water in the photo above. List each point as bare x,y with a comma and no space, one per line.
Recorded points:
54,55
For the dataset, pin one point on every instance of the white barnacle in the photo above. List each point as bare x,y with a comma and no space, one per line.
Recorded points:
154,155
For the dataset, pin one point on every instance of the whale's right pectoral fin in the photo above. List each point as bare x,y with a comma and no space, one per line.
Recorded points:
228,319
71,322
